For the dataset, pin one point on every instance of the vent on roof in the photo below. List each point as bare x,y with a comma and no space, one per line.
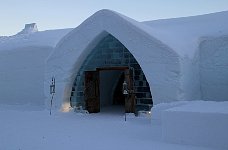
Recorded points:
29,28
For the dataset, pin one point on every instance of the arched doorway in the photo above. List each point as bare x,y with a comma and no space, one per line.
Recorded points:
112,56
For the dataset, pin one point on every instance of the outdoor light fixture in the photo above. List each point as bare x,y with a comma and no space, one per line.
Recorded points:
52,91
52,86
125,89
125,93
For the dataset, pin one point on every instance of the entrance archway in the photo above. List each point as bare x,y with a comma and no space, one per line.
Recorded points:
110,54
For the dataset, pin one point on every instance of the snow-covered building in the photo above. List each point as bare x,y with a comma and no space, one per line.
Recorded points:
161,61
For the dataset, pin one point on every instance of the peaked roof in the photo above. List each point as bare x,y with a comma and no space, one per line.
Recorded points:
182,35
70,53
118,25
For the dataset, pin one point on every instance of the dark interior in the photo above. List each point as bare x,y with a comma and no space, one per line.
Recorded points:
118,97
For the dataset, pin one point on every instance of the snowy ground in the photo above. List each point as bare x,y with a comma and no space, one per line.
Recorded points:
37,130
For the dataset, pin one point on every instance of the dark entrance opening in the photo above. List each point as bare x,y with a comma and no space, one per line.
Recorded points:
118,97
103,87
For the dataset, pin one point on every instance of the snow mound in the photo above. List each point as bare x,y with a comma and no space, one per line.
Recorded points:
203,107
156,111
200,123
29,28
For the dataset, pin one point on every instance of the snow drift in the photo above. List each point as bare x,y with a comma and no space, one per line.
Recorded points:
198,123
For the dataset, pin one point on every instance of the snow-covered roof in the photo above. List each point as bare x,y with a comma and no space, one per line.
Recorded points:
39,38
183,34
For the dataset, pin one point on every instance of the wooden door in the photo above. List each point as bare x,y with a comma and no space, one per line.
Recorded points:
130,98
92,93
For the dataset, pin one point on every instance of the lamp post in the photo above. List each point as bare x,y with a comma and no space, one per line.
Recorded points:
125,93
52,91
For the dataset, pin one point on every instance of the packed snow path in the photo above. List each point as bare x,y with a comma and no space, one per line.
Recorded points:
37,130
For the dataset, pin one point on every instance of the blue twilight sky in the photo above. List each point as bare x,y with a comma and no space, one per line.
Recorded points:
56,14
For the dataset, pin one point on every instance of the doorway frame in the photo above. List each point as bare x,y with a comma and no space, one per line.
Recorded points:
112,68
130,96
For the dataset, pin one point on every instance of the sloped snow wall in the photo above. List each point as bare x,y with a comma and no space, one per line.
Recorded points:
22,76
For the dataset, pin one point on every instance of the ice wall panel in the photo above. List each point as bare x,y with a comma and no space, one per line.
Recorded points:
214,69
22,75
